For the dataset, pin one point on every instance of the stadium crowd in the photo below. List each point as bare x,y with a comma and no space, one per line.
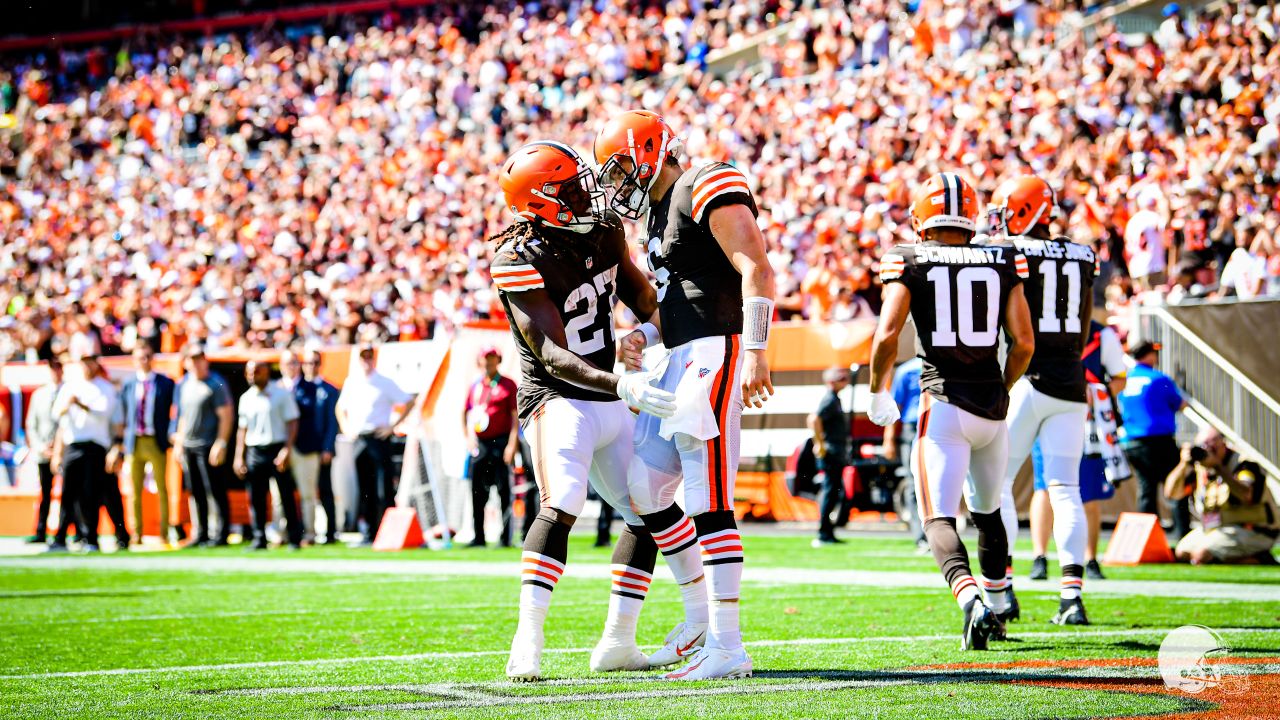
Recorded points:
337,186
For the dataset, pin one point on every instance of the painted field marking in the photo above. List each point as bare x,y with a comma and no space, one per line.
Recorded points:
773,575
316,662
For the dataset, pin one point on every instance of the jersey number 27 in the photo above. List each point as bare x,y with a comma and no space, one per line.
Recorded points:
586,331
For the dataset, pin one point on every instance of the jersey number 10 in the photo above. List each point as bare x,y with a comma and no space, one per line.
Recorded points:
966,281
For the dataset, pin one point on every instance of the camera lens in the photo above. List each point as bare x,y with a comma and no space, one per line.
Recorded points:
1198,453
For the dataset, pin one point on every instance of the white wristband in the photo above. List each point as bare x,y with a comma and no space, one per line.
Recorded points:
651,335
757,314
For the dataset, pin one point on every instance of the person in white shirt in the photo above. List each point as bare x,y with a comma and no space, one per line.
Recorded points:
364,413
1144,242
85,410
268,428
41,427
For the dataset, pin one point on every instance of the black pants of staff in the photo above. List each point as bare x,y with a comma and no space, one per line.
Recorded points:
489,469
532,501
45,470
831,496
109,497
83,471
1152,459
376,480
206,482
324,484
261,465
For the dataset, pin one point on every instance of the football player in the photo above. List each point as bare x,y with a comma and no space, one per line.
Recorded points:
1049,401
715,303
556,269
959,296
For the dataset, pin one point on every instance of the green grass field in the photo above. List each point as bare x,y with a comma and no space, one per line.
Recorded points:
333,632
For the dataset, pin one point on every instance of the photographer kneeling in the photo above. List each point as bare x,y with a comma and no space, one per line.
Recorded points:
1239,522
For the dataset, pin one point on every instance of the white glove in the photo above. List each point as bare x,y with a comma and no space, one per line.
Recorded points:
636,392
884,411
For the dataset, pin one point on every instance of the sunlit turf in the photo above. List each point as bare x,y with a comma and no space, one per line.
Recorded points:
172,643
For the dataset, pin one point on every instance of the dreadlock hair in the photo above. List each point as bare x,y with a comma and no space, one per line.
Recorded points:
560,244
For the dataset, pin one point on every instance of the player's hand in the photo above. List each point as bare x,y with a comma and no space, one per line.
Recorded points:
282,459
509,454
756,383
240,468
633,345
891,452
884,411
326,457
636,392
1186,453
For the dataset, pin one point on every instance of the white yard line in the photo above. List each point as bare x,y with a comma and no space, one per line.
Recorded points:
465,654
771,575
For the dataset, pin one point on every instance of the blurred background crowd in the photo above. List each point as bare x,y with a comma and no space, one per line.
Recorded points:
335,183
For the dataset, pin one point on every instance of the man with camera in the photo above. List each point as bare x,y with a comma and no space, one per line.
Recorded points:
1239,521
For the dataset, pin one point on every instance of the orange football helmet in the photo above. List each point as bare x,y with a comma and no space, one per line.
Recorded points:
945,200
1021,204
630,150
548,183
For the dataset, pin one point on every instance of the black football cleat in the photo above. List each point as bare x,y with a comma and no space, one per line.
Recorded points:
1013,612
1039,568
1070,612
980,624
1093,571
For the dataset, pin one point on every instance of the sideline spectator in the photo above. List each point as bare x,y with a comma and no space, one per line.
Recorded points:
268,428
84,409
364,413
492,429
313,450
147,400
1150,405
830,427
1239,520
41,427
203,432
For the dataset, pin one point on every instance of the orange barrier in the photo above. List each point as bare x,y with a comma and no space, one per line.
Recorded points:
399,530
1138,539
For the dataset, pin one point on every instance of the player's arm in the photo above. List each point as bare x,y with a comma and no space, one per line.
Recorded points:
884,344
538,321
637,294
734,228
1086,314
1022,340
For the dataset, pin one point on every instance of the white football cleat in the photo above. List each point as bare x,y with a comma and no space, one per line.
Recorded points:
525,662
610,657
681,643
714,664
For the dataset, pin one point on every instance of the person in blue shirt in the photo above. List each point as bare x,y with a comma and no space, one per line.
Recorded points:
899,438
1149,407
317,438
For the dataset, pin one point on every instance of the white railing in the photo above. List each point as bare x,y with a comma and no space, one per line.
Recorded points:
1217,390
